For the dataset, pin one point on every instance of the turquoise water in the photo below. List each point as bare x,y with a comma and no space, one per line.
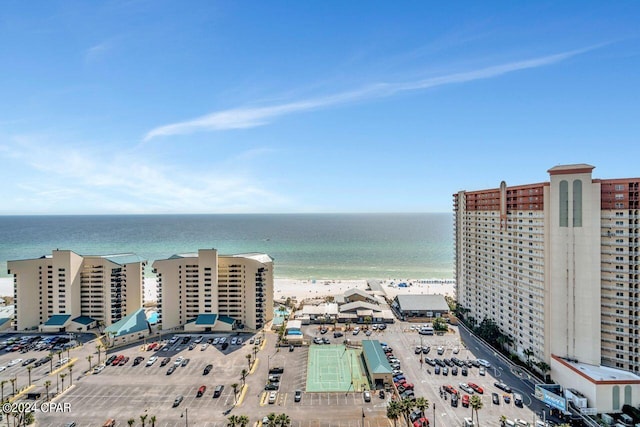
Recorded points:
304,246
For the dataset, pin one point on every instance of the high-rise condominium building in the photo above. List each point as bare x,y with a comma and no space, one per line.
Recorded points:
205,291
55,291
555,266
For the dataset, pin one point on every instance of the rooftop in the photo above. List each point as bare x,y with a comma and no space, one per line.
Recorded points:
599,374
57,320
414,302
135,322
377,360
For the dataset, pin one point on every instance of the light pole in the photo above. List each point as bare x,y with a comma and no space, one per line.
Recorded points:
434,415
185,415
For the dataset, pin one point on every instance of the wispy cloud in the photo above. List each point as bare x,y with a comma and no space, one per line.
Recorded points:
94,181
249,117
97,51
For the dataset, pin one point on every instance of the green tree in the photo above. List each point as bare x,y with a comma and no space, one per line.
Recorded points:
406,406
394,411
62,377
283,420
272,418
143,419
13,384
243,420
248,356
29,368
503,420
131,421
99,349
233,420
47,384
421,404
476,405
234,386
528,352
70,368
439,324
243,376
51,354
89,359
153,420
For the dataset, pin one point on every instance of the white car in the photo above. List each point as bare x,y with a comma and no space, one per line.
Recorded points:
2,368
98,369
234,341
484,363
178,361
152,360
272,397
240,341
216,341
456,350
14,362
465,387
198,340
203,347
222,340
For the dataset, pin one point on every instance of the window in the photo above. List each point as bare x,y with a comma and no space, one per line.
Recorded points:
577,203
619,187
564,203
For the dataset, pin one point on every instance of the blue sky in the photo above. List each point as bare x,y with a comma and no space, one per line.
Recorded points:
332,106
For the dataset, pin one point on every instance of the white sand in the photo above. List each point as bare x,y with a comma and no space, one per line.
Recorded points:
302,289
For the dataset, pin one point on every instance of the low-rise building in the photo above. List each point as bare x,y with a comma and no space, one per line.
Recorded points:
420,306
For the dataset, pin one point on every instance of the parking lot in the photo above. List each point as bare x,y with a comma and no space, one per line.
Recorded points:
123,392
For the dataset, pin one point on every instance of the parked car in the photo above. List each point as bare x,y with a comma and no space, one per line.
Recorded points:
29,361
185,362
495,398
418,350
201,390
484,363
466,388
445,371
207,369
338,334
178,401
465,400
98,369
272,386
272,397
297,396
138,360
218,390
482,371
152,360
171,370
165,361
502,386
476,388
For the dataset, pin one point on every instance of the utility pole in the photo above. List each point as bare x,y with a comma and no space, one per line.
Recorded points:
434,415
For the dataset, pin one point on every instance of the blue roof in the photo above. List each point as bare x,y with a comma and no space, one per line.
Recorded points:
227,319
57,320
135,322
4,320
84,320
206,319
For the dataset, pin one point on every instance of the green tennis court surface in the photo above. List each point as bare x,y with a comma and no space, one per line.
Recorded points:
335,368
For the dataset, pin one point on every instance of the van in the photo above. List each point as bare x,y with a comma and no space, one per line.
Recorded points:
517,399
109,423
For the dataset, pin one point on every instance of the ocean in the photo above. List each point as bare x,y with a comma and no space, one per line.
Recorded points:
304,246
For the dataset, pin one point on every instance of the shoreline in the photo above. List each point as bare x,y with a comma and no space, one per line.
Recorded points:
306,289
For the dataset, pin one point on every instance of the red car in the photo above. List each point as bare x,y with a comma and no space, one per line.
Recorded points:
465,400
407,386
422,422
476,388
201,390
449,389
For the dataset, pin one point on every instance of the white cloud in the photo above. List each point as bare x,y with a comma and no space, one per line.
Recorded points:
239,118
99,181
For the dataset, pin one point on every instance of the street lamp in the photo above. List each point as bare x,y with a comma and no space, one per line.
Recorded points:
185,415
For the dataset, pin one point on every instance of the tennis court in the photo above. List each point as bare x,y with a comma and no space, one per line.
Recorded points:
335,368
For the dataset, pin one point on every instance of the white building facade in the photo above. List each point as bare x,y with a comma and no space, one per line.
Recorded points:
207,291
555,266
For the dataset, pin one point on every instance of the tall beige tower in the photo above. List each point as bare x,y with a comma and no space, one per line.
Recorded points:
574,263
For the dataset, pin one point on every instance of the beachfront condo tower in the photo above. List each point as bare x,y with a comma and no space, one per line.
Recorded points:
65,291
555,265
206,291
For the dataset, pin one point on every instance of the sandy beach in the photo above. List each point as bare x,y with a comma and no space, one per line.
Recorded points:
302,289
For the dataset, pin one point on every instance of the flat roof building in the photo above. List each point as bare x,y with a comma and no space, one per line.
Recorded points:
555,266
419,305
205,291
53,290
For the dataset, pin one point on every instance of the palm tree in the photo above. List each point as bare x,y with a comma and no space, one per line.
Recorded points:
476,405
503,420
99,347
131,422
393,412
243,375
62,377
143,419
284,420
89,359
29,368
153,420
243,420
422,404
70,367
406,406
13,384
47,384
528,352
248,356
59,353
233,420
51,354
272,418
234,386
255,351
2,383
